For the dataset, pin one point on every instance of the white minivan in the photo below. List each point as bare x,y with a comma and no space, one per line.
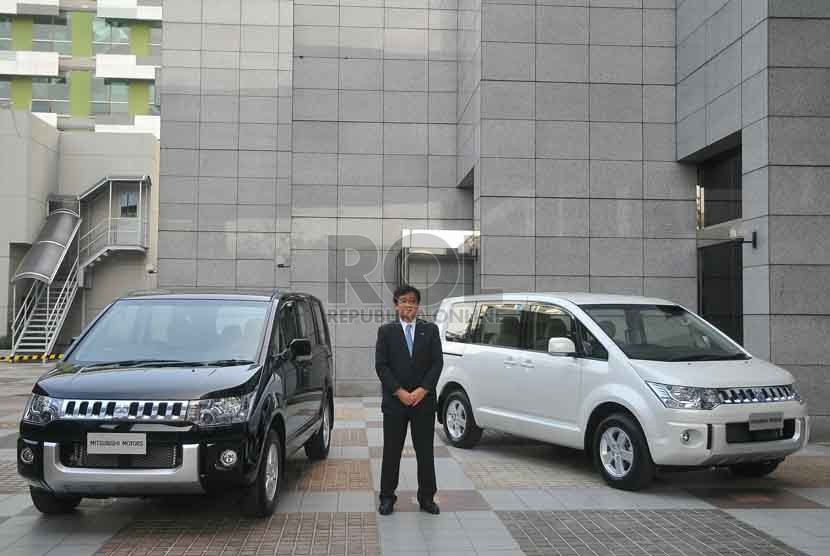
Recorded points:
638,383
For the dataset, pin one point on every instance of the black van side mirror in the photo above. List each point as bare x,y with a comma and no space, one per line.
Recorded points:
300,349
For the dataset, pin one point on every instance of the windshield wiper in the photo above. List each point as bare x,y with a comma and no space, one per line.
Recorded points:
227,362
131,363
214,363
711,357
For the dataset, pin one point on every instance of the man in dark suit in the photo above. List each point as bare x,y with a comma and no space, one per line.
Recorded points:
408,360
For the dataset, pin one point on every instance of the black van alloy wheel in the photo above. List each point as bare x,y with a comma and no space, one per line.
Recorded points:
621,454
460,426
317,447
262,496
48,503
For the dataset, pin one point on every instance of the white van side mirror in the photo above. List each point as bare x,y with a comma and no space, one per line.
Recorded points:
561,346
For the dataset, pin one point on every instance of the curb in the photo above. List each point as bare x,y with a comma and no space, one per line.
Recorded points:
30,358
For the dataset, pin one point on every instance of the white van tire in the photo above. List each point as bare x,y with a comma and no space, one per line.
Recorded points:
621,453
754,470
460,426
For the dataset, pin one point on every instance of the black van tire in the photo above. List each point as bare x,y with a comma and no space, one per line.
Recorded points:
641,470
50,504
458,403
257,502
317,447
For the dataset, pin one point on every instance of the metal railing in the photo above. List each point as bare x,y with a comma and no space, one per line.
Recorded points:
57,311
24,314
112,231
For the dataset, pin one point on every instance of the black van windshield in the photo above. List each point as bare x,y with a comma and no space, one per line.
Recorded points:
662,333
170,330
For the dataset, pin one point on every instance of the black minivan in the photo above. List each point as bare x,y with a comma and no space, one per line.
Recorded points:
181,393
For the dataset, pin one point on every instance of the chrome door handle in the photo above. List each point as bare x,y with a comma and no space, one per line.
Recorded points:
527,364
509,362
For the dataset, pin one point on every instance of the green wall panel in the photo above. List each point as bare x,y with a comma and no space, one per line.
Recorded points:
81,23
140,38
21,93
22,32
80,93
139,98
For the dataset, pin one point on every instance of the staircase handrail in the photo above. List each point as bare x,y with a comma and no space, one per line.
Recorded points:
86,244
57,312
24,314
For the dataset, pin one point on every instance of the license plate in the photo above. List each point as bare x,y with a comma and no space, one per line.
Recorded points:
116,443
766,421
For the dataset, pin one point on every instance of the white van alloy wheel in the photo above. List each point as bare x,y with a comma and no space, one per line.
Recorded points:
456,418
616,452
326,429
272,472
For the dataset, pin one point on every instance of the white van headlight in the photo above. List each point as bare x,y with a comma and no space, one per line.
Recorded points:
685,397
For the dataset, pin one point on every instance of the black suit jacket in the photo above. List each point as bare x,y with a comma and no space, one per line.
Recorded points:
397,369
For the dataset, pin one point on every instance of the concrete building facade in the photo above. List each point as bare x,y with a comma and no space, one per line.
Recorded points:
46,169
584,144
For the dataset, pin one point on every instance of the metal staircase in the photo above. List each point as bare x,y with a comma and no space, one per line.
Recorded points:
40,318
115,217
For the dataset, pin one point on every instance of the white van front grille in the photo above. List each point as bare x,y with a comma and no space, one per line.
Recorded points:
757,394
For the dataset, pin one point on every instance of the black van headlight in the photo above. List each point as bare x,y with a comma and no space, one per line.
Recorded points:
220,411
41,410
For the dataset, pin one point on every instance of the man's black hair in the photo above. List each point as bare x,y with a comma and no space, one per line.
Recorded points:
403,290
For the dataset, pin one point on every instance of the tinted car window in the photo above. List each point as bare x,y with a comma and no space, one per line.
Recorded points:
459,320
307,322
180,329
544,322
288,324
591,347
499,324
320,318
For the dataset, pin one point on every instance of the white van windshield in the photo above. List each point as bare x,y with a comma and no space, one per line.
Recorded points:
662,333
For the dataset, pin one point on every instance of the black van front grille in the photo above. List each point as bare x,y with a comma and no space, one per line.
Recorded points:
158,456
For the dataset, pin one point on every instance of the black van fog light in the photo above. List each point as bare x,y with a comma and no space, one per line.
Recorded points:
27,456
228,458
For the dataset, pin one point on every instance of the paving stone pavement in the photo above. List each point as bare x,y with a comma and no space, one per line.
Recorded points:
507,496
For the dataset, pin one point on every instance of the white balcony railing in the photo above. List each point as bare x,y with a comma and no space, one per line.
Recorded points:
112,233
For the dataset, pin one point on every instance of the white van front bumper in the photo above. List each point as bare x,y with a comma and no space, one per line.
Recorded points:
702,438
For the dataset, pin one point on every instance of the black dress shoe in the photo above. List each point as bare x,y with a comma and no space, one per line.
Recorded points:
430,507
386,507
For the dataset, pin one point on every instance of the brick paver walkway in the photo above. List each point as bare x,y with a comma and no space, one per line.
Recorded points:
507,496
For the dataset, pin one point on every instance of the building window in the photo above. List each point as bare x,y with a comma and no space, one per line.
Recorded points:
719,194
155,41
5,91
52,34
129,204
720,287
110,97
110,37
155,109
50,95
5,32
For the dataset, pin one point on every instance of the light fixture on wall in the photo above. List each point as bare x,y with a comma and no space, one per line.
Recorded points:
733,235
